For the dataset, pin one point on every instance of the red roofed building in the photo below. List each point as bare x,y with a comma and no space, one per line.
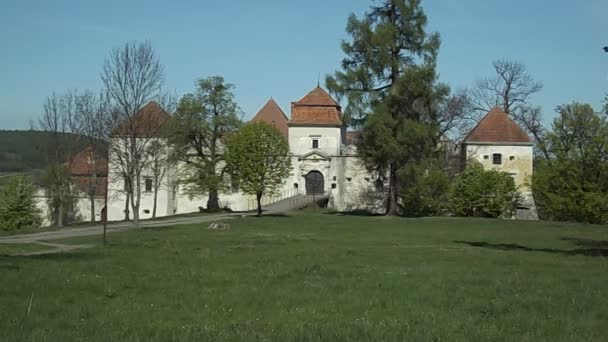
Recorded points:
317,108
89,172
147,122
272,114
497,142
497,127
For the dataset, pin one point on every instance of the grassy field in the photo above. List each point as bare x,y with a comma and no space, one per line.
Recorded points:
318,277
9,249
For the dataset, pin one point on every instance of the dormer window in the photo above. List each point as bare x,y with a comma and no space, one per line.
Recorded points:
315,143
497,159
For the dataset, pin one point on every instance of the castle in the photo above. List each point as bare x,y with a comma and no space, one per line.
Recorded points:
324,161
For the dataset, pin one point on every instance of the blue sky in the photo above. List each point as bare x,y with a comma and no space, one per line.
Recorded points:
278,48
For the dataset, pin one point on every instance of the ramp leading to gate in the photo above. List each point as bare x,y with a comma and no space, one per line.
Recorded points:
288,200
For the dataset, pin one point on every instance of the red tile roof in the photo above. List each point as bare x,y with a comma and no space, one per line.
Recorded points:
317,97
316,108
82,170
272,114
82,163
146,122
497,127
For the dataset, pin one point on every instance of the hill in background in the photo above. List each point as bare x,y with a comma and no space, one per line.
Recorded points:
25,152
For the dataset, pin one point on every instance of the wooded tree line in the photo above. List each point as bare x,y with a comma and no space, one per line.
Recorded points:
389,83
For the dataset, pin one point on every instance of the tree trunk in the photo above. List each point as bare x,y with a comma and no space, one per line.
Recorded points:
135,198
259,200
93,191
392,205
213,202
92,208
154,205
136,215
127,204
60,215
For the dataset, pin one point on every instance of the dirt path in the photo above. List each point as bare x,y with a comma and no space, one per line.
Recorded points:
44,238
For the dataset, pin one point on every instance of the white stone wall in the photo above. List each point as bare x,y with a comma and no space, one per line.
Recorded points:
357,188
300,139
516,160
82,208
165,205
345,180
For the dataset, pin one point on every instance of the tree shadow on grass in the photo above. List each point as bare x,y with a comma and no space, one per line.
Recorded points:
274,215
590,251
588,243
354,213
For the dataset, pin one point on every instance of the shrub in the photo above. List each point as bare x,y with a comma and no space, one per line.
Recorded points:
425,189
18,205
572,185
483,193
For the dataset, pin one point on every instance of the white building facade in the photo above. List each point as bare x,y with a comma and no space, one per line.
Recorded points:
324,162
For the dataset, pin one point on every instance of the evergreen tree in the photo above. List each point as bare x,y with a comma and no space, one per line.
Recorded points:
258,159
389,81
200,126
18,205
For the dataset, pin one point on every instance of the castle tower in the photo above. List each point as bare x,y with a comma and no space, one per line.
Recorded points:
498,143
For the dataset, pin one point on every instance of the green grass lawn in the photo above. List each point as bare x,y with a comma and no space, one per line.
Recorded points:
14,248
318,277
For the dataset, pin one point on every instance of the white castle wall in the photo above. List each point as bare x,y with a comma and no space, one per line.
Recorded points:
82,208
516,160
300,139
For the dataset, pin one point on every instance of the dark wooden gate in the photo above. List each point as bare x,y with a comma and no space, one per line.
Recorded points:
315,184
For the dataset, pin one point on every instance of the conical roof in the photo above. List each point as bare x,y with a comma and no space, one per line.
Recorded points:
272,114
497,127
317,108
317,97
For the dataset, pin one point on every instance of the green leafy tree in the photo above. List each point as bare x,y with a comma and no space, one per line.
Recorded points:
427,193
200,126
258,157
18,205
388,79
572,185
483,193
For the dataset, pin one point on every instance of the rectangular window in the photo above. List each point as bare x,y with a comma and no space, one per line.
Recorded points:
315,143
148,185
497,159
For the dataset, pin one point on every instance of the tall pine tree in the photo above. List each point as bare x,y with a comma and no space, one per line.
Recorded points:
388,79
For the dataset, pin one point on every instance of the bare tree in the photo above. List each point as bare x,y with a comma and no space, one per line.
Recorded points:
453,117
133,77
158,160
511,89
92,116
59,120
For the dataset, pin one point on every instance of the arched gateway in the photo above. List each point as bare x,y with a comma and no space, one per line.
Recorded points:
315,183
